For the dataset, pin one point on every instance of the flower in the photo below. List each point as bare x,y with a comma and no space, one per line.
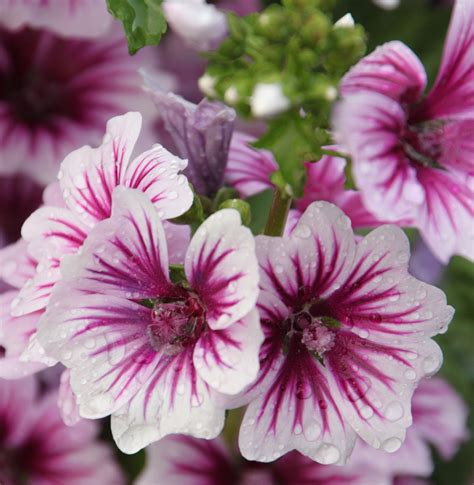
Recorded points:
347,338
412,156
268,100
36,447
439,419
201,134
19,197
249,171
201,25
182,460
149,351
86,180
67,18
57,94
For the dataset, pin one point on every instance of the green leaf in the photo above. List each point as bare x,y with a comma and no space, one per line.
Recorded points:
143,21
292,143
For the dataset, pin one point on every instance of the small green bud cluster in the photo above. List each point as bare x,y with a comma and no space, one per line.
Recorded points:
295,46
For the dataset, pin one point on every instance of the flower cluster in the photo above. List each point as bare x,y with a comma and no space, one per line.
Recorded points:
144,288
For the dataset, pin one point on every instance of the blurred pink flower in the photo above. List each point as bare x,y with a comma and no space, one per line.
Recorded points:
412,155
348,336
182,460
56,94
150,352
36,447
439,420
68,18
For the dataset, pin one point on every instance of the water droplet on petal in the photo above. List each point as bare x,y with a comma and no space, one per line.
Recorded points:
410,374
327,454
366,412
431,364
312,432
303,231
391,445
394,411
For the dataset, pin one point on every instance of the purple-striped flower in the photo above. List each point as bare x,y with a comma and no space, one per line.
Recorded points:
149,351
347,338
68,18
37,447
57,93
86,181
183,460
413,155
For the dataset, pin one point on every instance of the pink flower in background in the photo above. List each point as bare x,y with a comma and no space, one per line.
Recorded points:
19,197
182,460
249,171
36,447
150,352
68,18
439,420
56,94
347,338
412,155
86,181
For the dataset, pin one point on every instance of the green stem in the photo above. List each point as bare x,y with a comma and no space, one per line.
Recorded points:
278,213
334,153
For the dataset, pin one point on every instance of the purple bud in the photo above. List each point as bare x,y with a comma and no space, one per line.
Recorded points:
201,133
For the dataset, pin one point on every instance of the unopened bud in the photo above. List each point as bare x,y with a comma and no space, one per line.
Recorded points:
268,100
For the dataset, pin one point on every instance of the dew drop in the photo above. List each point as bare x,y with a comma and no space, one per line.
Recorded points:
312,432
431,364
366,412
394,411
303,231
327,454
410,374
391,445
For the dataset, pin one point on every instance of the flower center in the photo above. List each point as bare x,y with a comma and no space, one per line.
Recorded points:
175,324
422,142
316,333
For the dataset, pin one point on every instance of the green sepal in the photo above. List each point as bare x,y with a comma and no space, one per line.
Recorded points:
223,194
195,214
177,274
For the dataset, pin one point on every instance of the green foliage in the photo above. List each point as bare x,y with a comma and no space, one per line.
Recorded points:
143,21
458,367
297,46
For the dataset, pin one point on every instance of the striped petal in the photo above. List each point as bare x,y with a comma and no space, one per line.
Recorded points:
125,255
174,400
221,267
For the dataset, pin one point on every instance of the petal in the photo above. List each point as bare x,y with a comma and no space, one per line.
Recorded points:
445,220
221,267
16,265
52,232
228,359
177,240
36,292
314,260
67,400
392,70
369,126
174,400
183,460
89,175
68,18
296,411
14,336
125,255
452,95
103,341
156,172
373,384
201,133
248,169
381,300
325,181
440,416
